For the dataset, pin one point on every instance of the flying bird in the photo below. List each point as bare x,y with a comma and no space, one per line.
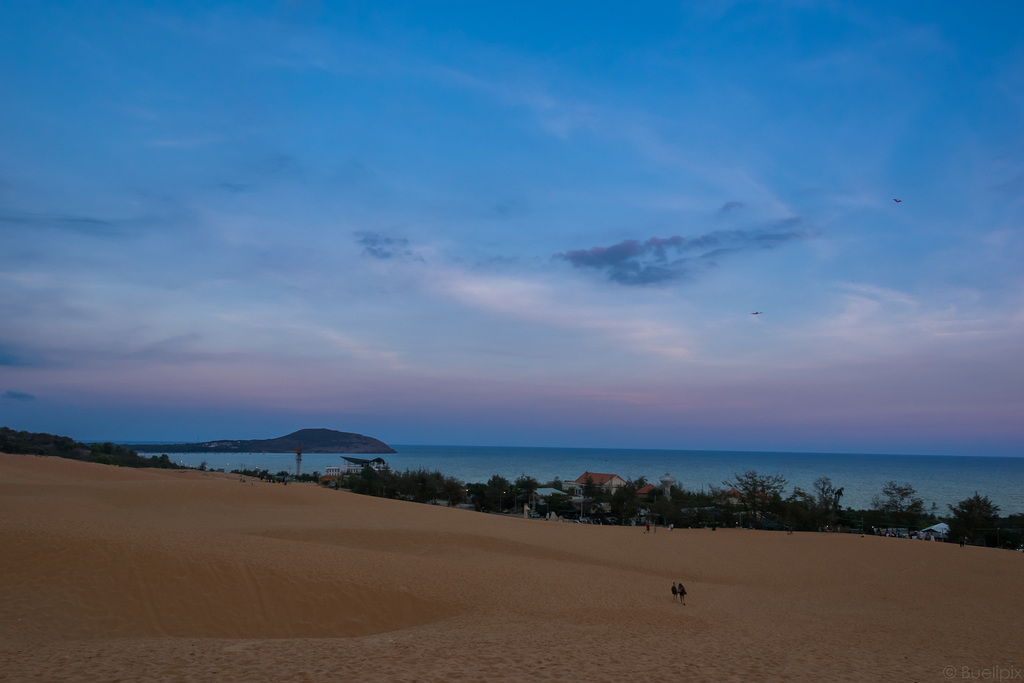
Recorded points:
757,313
898,201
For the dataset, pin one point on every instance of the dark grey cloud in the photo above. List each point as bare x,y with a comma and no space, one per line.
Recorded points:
18,396
382,246
661,260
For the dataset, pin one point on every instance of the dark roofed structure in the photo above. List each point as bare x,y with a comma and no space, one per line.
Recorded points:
356,465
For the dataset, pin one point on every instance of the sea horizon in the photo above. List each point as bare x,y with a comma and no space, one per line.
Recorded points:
940,480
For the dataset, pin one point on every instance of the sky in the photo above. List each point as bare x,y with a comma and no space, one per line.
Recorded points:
657,225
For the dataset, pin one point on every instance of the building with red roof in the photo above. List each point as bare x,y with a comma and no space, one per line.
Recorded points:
646,489
609,482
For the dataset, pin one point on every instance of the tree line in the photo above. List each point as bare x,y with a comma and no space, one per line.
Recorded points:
107,453
897,506
749,499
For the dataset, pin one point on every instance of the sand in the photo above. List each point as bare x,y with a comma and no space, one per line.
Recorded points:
110,574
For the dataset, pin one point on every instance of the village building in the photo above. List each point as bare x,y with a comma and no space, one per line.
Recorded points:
332,473
730,497
356,465
609,482
351,466
644,490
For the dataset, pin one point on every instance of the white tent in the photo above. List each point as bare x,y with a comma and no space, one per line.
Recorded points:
941,530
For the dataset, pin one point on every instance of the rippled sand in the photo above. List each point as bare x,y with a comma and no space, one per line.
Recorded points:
146,575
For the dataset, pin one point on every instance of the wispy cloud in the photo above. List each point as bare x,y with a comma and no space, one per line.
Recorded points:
79,224
662,260
18,396
539,303
187,142
870,323
557,115
12,357
364,352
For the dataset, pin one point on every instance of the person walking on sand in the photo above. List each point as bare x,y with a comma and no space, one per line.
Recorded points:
682,593
674,592
648,528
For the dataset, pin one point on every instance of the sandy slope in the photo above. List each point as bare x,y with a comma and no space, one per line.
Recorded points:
143,575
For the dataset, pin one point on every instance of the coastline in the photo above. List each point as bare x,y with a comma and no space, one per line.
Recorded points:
943,480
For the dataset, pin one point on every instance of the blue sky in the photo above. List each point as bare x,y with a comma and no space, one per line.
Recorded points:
516,223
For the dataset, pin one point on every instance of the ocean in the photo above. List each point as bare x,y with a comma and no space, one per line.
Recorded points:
942,480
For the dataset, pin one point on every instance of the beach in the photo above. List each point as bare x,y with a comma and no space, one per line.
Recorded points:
115,574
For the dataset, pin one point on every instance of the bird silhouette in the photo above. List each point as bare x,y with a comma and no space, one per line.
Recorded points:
898,201
757,313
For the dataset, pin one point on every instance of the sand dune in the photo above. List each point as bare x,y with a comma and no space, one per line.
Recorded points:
148,575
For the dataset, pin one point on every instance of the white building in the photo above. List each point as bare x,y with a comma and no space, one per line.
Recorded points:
609,482
356,465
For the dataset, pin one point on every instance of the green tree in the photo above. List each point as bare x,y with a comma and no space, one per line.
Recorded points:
497,494
800,510
65,447
662,506
594,495
971,516
371,482
759,494
453,491
102,458
524,488
899,504
477,494
624,502
557,503
421,485
826,501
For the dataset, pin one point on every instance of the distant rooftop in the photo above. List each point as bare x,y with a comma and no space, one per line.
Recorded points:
545,492
598,478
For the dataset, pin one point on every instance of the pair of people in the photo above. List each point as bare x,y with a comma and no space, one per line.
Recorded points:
679,592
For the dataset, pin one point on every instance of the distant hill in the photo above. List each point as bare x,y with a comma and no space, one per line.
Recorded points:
38,443
311,440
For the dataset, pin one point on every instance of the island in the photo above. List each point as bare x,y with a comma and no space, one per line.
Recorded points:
309,440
